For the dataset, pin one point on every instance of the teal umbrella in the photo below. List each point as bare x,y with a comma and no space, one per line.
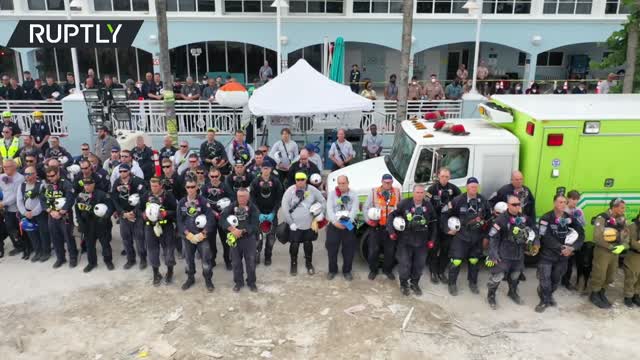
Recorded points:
337,62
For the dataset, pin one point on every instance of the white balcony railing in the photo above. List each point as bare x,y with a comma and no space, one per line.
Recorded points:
195,117
22,111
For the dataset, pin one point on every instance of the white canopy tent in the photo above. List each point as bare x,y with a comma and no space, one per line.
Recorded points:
301,90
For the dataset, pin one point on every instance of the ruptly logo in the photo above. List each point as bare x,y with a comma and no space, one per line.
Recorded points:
76,33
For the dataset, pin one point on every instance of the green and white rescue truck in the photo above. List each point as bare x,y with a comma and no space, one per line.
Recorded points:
590,143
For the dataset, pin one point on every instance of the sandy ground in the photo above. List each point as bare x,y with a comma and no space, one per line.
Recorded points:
66,314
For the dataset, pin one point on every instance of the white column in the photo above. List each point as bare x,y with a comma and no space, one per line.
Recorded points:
226,58
348,8
530,70
18,66
74,53
597,9
219,7
536,7
278,39
55,60
246,66
206,54
137,65
188,64
476,53
95,51
118,67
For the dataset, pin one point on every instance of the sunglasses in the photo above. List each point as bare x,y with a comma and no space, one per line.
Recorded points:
214,176
29,160
124,171
183,146
84,149
190,186
51,176
193,161
301,179
166,166
28,174
515,204
200,172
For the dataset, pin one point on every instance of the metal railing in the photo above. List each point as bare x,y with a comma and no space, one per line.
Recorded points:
194,117
22,111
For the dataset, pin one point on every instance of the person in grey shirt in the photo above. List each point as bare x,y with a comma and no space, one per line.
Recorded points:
284,151
209,92
296,205
372,143
265,72
104,144
341,152
190,90
10,183
342,209
30,207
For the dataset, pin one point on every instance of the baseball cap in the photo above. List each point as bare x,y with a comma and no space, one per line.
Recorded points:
472,180
88,181
124,167
301,176
213,130
439,125
312,148
238,162
387,177
458,130
268,163
115,149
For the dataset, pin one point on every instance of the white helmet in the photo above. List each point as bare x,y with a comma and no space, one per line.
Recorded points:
134,199
63,160
223,203
399,224
500,207
73,169
531,235
153,212
315,179
59,203
233,220
316,209
571,238
100,210
454,223
201,221
374,214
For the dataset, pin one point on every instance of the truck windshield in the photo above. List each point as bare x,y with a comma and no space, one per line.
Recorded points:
401,153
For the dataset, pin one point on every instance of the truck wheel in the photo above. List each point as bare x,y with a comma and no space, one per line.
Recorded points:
364,247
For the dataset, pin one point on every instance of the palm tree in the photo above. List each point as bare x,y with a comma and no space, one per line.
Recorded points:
165,67
405,56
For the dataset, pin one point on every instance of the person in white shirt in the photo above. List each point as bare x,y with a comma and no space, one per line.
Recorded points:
604,87
125,158
341,152
284,152
180,162
372,143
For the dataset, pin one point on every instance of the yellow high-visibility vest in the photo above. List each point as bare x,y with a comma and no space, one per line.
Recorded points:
12,151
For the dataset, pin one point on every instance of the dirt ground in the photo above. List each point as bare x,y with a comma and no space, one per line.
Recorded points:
66,314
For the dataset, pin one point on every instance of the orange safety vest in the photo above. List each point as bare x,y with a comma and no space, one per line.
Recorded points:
385,206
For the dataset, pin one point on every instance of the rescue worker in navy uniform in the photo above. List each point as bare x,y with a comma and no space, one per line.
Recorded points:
560,236
100,181
168,150
172,183
611,236
144,156
40,132
420,233
159,233
512,234
28,201
517,188
195,220
57,190
213,154
94,226
473,211
215,190
238,179
632,266
126,195
440,194
56,151
342,210
242,239
266,194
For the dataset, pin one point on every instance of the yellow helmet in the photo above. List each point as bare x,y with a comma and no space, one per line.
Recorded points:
37,114
610,234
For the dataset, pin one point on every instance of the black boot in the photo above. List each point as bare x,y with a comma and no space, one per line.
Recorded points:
597,300
169,277
143,264
491,297
636,299
628,302
474,287
541,307
35,257
416,288
26,254
404,288
453,287
258,258
129,264
208,283
434,278
443,278
294,268
157,277
522,277
88,268
190,281
267,261
310,269
513,292
604,299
